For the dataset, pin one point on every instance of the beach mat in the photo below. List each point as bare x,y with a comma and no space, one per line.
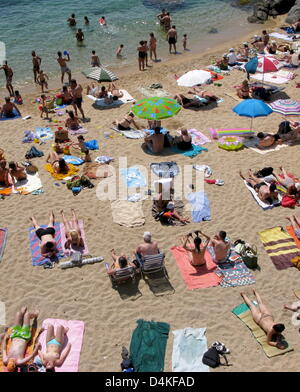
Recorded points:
24,187
196,150
200,206
148,346
11,118
198,138
234,272
153,92
195,277
131,134
133,178
59,176
263,205
74,337
37,258
29,349
3,240
280,246
217,133
127,214
83,250
252,144
127,98
285,37
189,346
244,314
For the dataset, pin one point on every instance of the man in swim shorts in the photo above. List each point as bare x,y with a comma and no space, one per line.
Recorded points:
155,142
166,21
263,317
36,63
62,61
76,92
8,109
172,38
8,75
148,247
14,356
47,237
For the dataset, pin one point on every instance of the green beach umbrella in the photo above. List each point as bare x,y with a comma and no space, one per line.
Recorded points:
156,108
101,74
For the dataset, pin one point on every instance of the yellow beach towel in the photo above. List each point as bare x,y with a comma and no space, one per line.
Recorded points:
72,170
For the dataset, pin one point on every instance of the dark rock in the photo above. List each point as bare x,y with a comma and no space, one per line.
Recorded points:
294,13
266,8
213,30
262,15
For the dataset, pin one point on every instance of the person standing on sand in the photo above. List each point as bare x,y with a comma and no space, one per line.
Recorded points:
172,39
76,92
141,56
152,46
62,61
36,62
8,75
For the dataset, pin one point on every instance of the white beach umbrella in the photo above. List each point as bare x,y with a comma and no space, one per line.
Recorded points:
192,78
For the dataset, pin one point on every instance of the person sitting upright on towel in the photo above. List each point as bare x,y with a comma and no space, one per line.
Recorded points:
184,141
221,246
16,172
155,142
7,109
196,252
265,192
58,164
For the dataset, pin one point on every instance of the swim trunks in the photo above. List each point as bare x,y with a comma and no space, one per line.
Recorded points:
172,40
21,332
65,69
121,128
41,232
258,186
78,102
142,55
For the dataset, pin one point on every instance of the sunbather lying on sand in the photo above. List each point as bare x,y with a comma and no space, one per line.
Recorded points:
284,179
126,123
265,192
295,222
73,233
5,178
59,165
203,94
148,247
187,102
120,262
17,172
293,309
196,252
267,140
54,355
47,237
115,92
221,246
264,318
14,356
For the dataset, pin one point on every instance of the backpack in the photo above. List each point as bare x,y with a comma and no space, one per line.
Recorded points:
248,253
212,358
288,201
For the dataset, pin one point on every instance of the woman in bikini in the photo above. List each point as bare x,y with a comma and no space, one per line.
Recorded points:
72,122
59,165
142,53
73,233
196,252
55,355
125,124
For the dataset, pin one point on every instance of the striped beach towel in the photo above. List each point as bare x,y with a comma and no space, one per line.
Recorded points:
217,133
281,247
37,258
3,239
234,272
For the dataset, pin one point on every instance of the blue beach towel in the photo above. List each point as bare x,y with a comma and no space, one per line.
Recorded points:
133,178
190,153
11,118
92,145
73,160
200,206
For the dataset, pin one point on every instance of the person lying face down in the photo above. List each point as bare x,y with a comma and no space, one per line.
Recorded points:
265,192
267,139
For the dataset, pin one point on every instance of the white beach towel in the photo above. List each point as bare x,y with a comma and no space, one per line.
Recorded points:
127,98
31,184
281,36
132,133
252,144
263,205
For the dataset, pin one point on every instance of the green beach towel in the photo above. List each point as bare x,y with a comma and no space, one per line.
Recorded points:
243,313
148,346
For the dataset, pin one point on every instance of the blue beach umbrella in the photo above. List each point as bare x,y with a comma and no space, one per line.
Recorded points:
252,65
252,108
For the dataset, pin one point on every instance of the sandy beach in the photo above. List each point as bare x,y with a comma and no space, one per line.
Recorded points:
86,294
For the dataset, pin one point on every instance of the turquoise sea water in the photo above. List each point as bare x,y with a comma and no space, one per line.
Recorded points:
41,25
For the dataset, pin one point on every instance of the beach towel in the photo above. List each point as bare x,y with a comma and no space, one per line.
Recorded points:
253,143
29,349
280,246
263,205
127,214
148,346
133,178
83,250
285,37
79,131
11,118
61,176
3,240
2,313
195,277
244,314
37,258
74,337
189,346
44,133
152,92
196,150
200,206
234,272
73,160
24,187
127,98
217,133
198,138
165,169
292,233
132,133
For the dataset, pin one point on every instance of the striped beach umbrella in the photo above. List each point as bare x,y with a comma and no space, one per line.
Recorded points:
156,108
287,107
268,64
101,74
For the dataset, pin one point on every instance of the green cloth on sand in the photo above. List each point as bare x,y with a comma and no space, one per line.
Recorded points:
21,332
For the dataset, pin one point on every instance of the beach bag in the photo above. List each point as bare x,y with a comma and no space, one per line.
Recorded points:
33,153
248,253
288,201
31,169
211,358
266,171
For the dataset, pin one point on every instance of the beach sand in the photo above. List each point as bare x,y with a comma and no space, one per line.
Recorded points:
86,293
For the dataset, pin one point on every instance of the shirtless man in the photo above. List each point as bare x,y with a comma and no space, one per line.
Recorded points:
36,62
265,192
149,247
166,21
17,172
172,38
260,46
95,61
5,179
152,46
8,75
266,139
263,317
14,356
55,355
221,247
62,61
72,20
155,142
47,237
79,36
76,92
7,109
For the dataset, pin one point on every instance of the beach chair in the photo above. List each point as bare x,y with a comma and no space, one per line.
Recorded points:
152,263
122,275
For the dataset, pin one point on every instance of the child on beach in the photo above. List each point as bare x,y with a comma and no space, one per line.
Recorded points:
18,99
43,108
119,51
95,61
42,80
184,41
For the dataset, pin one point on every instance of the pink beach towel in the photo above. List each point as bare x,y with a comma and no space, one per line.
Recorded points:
83,250
79,131
195,277
198,138
74,337
217,133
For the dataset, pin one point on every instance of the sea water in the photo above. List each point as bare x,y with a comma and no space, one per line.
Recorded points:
41,25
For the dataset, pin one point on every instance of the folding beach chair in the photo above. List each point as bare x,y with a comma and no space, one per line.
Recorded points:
121,275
